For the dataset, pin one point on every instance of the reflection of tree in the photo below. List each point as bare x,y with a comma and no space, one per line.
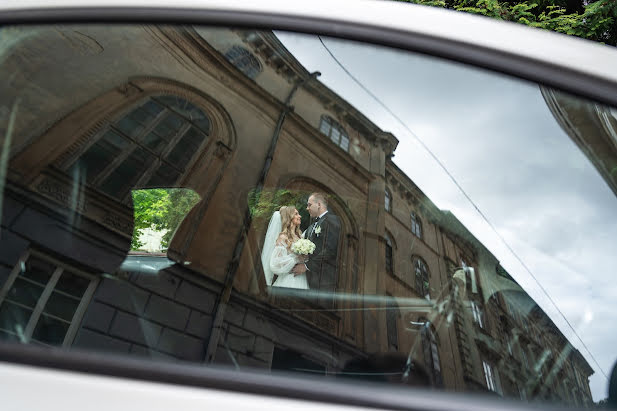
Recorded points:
263,203
591,19
160,209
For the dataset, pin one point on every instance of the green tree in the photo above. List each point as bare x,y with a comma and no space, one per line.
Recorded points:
264,203
593,20
160,209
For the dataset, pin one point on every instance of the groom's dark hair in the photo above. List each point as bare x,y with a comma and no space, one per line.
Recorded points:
321,197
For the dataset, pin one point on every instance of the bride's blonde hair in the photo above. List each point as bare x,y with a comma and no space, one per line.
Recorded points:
287,214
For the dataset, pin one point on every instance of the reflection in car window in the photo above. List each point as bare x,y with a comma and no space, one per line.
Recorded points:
202,195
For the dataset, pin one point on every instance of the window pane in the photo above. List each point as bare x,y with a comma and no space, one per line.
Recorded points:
192,139
155,142
119,182
171,101
169,126
392,329
7,336
72,284
50,330
152,107
435,353
129,126
37,270
101,154
61,306
142,116
325,126
165,176
186,148
244,61
13,317
187,110
335,135
345,142
25,293
114,142
203,123
389,267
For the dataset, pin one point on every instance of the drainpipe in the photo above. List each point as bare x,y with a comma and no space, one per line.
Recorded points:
232,267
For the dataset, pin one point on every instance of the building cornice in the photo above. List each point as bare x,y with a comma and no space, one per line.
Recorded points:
266,45
407,189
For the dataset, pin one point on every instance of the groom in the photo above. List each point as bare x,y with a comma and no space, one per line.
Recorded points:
324,232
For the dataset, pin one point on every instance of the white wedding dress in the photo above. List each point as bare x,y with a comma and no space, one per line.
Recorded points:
277,259
281,263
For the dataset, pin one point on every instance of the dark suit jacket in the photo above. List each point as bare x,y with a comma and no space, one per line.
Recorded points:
323,263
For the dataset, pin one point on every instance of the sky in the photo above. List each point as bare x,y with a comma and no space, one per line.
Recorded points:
498,139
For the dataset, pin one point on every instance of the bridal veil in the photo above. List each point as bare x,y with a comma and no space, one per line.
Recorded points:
274,229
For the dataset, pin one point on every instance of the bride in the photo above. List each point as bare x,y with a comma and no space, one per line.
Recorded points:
277,257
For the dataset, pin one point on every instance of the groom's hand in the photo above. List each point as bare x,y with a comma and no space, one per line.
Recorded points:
299,269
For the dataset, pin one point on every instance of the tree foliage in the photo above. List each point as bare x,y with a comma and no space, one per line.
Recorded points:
593,20
263,203
160,209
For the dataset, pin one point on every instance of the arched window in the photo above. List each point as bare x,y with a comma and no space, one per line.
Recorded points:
416,225
430,347
392,314
421,278
389,261
244,61
388,201
335,131
151,146
478,313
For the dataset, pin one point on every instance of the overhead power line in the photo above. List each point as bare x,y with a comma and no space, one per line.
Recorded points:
443,167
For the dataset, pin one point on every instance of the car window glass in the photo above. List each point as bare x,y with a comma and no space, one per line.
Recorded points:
276,201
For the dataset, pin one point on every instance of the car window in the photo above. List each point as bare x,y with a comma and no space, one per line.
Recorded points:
292,203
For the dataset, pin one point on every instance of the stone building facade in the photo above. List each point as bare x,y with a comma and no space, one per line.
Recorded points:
247,115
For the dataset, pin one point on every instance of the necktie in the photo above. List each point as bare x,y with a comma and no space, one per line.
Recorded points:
312,227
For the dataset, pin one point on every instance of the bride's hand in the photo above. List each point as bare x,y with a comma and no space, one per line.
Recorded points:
299,269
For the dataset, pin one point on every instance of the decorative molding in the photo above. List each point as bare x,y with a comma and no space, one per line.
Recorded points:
222,151
274,54
86,202
325,320
129,90
62,194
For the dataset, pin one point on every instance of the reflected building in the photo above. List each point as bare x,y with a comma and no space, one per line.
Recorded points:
103,111
592,127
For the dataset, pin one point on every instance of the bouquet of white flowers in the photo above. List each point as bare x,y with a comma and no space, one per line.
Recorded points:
303,247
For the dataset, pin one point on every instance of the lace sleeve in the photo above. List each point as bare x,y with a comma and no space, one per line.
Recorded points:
282,261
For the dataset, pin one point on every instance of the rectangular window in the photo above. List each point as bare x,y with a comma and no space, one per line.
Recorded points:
324,127
521,393
389,267
335,135
524,358
579,382
344,142
43,301
391,325
477,314
489,376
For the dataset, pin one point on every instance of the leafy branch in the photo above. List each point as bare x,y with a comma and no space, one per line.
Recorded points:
594,20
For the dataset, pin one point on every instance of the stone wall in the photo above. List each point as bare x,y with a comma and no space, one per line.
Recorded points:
161,315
